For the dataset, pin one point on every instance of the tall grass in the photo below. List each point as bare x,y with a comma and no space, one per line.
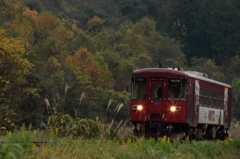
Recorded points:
65,137
141,148
36,144
234,129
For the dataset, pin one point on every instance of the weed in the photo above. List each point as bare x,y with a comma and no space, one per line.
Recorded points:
234,129
18,143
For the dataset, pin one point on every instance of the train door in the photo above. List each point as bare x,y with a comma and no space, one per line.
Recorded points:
157,98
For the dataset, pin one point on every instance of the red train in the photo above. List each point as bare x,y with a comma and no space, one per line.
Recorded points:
176,103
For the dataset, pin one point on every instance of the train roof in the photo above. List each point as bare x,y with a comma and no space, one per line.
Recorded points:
154,71
151,72
197,76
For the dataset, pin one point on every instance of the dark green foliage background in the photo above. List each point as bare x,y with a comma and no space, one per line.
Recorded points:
201,35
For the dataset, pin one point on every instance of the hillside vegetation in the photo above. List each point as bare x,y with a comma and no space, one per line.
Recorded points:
75,57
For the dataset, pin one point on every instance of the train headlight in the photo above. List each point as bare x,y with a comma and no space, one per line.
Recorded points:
137,107
175,108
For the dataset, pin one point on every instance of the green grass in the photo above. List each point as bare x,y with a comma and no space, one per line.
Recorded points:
51,144
95,148
19,144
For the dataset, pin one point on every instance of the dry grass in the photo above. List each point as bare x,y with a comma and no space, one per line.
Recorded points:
234,130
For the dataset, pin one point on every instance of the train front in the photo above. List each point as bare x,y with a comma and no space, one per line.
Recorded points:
158,102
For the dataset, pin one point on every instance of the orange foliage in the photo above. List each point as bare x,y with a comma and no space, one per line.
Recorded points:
25,11
46,23
17,1
30,13
15,5
83,59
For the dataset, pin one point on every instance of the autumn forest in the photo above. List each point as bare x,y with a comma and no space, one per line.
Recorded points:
76,56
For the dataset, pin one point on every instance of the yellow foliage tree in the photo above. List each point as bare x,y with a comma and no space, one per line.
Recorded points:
95,25
46,23
13,63
14,67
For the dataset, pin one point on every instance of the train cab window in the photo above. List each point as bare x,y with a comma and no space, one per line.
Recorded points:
157,92
139,87
177,89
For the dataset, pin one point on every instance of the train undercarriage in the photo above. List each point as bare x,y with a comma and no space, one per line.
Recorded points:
181,131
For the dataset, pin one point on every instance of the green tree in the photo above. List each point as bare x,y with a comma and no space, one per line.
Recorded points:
91,11
232,68
134,9
210,28
45,24
207,66
236,98
222,30
92,77
14,66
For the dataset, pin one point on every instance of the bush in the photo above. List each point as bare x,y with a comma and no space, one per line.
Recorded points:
65,125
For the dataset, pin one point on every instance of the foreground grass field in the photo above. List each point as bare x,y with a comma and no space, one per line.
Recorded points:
26,144
66,148
63,137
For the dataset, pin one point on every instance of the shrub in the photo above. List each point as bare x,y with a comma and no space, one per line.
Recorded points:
65,125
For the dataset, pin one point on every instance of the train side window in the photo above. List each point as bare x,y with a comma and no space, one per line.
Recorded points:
213,94
206,92
214,102
210,93
216,94
219,95
201,96
222,99
219,104
205,100
209,101
219,99
201,100
201,91
222,96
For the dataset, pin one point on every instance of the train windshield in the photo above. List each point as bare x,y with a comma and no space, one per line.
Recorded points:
177,89
139,87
